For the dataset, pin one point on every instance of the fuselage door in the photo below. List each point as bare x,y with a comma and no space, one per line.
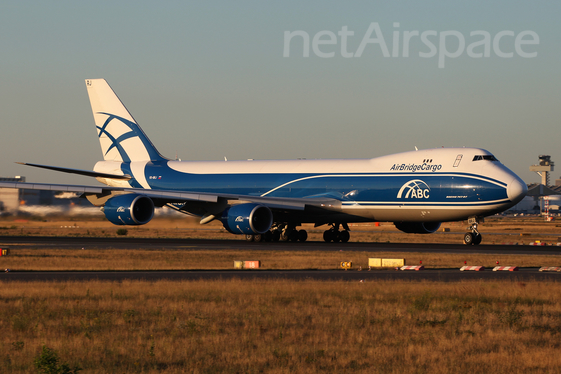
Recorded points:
457,162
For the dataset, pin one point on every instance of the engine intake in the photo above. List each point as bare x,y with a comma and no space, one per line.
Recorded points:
130,209
417,227
247,219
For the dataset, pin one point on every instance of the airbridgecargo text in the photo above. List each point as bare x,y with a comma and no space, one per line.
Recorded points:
414,168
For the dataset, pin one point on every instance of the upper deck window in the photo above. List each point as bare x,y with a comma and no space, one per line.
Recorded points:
485,157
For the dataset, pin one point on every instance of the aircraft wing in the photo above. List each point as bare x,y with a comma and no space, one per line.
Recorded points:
98,196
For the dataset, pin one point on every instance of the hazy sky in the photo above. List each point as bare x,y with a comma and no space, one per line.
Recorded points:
208,80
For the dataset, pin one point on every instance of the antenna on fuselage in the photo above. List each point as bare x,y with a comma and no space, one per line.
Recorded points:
416,148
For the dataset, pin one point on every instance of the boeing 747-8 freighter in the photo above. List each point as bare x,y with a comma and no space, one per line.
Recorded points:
269,200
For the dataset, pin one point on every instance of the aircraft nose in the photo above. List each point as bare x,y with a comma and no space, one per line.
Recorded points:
516,190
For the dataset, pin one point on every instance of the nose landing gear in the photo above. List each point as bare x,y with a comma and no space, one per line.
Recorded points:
473,237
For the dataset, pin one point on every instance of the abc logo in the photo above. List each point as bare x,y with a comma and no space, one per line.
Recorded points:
414,189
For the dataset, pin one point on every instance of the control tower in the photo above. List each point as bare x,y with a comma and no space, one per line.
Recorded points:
544,167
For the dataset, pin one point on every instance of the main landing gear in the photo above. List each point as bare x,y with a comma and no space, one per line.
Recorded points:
289,233
283,233
473,237
335,236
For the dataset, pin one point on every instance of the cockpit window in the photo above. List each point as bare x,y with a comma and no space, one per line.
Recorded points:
485,157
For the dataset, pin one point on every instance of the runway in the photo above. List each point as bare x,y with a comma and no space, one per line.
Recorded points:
440,275
31,242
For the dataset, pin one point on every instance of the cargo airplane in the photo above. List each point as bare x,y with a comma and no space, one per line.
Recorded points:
269,200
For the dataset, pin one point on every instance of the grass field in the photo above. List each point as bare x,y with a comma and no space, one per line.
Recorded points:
283,326
495,230
275,326
186,259
182,259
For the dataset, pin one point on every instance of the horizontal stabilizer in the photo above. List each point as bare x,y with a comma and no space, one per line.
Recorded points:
87,173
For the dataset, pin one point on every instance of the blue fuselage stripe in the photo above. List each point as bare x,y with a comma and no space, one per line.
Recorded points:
443,189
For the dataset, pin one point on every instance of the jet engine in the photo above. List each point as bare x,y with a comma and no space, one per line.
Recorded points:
130,209
249,219
417,227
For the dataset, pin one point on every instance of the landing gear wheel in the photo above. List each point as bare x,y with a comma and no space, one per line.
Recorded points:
468,238
327,237
335,236
477,239
302,235
283,236
249,238
473,237
331,236
258,238
293,236
343,236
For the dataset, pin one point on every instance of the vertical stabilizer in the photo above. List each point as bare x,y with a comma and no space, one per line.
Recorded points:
120,136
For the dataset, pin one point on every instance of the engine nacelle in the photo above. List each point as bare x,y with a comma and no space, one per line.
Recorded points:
417,227
130,209
247,219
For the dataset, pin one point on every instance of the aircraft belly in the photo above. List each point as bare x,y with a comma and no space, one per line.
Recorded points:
419,214
389,214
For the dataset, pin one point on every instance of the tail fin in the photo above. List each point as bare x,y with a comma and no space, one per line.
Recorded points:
120,136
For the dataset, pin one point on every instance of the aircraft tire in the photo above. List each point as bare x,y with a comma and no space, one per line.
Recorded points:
268,236
293,236
302,235
477,239
335,235
249,237
258,238
343,236
468,238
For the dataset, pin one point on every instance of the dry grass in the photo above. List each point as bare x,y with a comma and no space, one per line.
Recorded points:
283,326
139,259
184,258
496,230
276,326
